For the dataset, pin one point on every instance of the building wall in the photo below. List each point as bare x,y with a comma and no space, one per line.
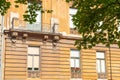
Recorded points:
13,12
0,47
54,63
15,60
58,12
115,65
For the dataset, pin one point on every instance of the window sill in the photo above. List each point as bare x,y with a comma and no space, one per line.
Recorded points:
34,71
76,79
101,79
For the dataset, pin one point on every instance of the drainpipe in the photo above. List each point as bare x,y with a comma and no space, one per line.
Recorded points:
2,50
110,58
110,63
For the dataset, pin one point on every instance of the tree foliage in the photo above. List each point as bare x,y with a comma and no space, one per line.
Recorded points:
97,21
30,13
4,6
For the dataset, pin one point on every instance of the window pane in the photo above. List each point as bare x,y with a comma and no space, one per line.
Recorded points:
38,18
74,53
103,66
100,55
72,11
36,68
29,68
71,22
29,61
98,66
72,63
33,50
77,63
36,61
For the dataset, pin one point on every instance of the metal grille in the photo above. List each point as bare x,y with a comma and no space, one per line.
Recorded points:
33,74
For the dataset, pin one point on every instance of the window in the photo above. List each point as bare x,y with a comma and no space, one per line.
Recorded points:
100,64
33,61
36,26
72,12
75,63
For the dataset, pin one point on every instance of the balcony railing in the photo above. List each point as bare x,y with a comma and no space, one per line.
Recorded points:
101,75
22,25
33,74
75,73
73,31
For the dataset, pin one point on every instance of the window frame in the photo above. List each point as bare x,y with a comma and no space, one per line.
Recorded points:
38,23
75,70
101,74
33,55
70,15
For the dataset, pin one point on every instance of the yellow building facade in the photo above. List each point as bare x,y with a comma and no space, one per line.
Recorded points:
45,49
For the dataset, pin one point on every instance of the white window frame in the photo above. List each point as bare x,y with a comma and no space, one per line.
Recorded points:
100,56
72,11
33,55
74,69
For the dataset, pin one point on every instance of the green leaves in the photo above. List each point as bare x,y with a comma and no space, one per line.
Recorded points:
4,6
17,2
21,1
87,21
30,14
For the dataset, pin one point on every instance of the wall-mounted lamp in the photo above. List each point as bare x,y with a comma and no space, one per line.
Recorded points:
55,40
45,38
14,36
24,37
